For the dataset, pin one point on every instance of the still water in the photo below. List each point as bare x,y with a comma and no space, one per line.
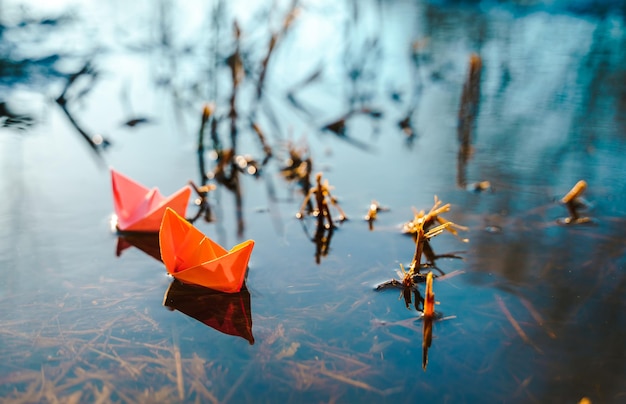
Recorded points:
534,310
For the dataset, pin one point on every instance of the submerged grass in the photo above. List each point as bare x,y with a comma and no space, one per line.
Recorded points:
103,365
125,349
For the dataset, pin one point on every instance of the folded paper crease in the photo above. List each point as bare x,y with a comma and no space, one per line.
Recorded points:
191,257
140,209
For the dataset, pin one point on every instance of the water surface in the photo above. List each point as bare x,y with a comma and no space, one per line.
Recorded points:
80,323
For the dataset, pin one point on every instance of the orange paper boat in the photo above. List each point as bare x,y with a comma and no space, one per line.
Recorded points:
191,257
140,209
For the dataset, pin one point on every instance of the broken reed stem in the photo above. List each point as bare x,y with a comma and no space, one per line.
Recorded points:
575,192
429,298
437,230
434,213
570,202
372,212
203,190
419,249
422,238
453,227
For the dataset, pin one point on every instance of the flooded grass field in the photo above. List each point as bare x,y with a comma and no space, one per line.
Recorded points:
497,108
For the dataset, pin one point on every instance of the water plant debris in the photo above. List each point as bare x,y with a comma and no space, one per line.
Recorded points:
372,213
425,221
574,202
423,228
323,197
428,316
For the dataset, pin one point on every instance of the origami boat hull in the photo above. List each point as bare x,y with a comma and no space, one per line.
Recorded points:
191,257
140,209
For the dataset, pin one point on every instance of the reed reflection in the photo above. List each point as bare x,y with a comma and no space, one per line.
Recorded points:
427,339
468,111
321,238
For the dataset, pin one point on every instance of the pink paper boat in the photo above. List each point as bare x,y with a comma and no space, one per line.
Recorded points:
191,257
140,209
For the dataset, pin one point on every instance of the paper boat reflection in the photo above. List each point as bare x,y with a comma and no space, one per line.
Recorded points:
146,242
140,209
191,257
228,313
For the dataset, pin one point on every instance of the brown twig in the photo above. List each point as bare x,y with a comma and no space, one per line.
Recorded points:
576,191
573,202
